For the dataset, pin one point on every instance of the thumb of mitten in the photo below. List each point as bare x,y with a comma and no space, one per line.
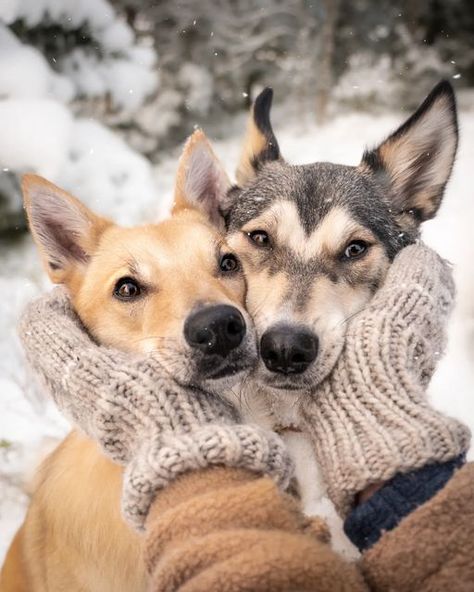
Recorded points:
415,301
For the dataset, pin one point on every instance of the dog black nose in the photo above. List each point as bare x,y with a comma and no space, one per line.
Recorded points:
288,350
215,329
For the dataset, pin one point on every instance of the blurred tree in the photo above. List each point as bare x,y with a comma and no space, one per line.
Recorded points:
326,66
449,27
95,52
65,59
384,55
214,54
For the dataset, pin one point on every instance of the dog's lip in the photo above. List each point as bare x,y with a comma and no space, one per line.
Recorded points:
215,367
286,387
228,367
286,428
226,370
282,386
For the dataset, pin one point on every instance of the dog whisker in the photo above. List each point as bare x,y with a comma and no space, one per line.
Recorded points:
162,338
351,316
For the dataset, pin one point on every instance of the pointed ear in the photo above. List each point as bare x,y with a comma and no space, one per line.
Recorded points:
201,181
65,231
417,159
260,144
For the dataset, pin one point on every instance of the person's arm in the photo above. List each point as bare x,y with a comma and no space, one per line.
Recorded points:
384,450
432,548
227,530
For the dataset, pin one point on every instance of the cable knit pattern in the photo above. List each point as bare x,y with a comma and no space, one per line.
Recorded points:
163,458
137,413
370,419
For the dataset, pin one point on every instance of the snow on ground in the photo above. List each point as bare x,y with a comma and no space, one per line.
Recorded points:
29,425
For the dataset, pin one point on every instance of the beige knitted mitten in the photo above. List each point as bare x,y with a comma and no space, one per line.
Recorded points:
137,413
370,418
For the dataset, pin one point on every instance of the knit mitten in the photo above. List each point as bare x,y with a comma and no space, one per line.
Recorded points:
137,413
370,418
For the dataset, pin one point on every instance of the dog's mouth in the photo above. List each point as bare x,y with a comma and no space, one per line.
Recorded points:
282,429
225,370
281,382
216,368
306,381
284,386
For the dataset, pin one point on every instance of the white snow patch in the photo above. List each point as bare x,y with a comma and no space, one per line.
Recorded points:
36,80
35,134
107,175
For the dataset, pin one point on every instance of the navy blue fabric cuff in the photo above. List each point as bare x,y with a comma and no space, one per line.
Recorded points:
395,500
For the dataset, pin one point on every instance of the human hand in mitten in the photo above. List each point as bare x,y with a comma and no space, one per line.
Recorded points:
370,419
138,414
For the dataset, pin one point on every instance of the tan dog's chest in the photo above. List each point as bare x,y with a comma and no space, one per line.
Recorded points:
76,539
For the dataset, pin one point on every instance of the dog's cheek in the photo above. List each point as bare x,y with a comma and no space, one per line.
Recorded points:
331,345
335,303
117,325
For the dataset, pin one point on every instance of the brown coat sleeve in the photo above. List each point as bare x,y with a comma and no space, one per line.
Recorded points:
226,530
432,550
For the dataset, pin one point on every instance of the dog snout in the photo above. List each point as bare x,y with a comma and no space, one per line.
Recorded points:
215,330
288,350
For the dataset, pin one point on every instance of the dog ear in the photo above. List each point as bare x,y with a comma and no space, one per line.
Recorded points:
201,181
260,144
65,231
417,158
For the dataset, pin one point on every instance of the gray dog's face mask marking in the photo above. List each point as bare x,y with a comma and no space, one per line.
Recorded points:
316,240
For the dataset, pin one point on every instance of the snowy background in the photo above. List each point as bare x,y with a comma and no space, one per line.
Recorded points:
98,96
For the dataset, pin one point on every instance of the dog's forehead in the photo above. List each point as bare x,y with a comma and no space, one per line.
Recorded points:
313,188
159,246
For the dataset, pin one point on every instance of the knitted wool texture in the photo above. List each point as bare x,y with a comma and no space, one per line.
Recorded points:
370,418
137,413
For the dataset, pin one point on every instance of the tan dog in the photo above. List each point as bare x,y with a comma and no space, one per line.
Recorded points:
141,290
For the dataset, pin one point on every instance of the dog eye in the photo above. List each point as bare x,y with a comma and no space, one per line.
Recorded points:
126,289
228,263
259,237
355,249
